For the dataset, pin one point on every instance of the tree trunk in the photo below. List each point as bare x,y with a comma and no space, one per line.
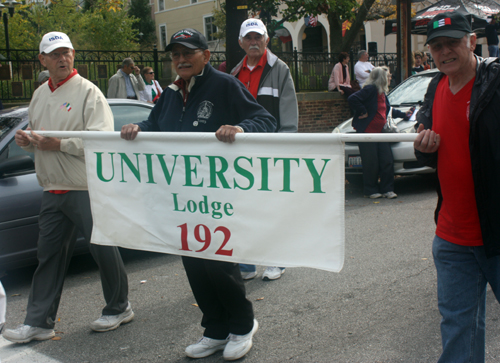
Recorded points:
336,28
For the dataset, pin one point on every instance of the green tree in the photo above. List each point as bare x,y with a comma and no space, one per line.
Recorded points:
106,26
108,30
141,10
337,11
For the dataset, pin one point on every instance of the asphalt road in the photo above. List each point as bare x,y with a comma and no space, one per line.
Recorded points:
380,308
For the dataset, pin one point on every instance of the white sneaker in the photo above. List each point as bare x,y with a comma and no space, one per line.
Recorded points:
26,333
111,322
272,273
390,195
248,275
239,345
374,196
205,347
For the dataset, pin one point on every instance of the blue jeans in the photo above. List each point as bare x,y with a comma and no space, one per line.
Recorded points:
493,50
462,275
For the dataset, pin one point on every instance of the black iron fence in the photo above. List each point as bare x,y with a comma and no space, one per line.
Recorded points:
18,78
311,71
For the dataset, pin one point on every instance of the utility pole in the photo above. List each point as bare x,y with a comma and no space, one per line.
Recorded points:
236,13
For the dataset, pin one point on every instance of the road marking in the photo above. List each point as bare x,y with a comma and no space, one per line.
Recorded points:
21,353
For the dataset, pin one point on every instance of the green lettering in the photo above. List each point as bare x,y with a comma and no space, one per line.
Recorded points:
168,175
191,170
149,164
218,174
286,172
244,173
264,167
314,174
176,206
132,167
99,167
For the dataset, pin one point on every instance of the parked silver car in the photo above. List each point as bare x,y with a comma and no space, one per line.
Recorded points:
409,93
20,194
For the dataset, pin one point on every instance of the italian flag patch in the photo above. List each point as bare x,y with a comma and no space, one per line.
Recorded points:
442,22
66,105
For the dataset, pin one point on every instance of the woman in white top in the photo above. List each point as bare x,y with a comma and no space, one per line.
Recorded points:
153,89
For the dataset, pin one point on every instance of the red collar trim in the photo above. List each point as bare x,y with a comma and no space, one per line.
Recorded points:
51,86
262,61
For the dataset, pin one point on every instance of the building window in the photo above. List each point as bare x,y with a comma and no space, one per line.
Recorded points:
210,28
194,1
161,5
163,37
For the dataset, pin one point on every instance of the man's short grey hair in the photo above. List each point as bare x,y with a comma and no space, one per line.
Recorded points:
361,53
378,78
127,62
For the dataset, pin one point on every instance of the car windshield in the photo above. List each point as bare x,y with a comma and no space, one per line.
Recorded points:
7,124
410,92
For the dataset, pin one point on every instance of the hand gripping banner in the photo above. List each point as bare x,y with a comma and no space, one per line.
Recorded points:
266,199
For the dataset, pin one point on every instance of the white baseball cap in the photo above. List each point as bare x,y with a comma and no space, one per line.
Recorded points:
252,25
54,40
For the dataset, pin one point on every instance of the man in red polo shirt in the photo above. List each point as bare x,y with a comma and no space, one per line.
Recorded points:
268,79
458,134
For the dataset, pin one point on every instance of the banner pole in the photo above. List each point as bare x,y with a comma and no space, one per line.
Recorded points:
351,137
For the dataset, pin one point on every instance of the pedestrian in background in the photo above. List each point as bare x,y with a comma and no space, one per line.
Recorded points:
340,81
362,68
127,82
153,90
458,134
371,107
492,36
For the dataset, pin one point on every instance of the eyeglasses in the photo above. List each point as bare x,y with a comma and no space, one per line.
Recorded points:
151,73
436,46
57,55
186,54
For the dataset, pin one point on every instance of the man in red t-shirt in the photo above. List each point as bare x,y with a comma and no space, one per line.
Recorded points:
458,134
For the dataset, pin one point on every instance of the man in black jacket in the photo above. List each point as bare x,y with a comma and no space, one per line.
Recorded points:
458,134
205,100
492,36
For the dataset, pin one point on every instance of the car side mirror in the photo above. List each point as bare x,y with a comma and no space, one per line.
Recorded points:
16,164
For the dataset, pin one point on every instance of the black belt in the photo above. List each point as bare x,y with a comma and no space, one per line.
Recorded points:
132,98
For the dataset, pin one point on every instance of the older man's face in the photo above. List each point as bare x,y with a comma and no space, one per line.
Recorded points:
364,57
452,56
189,62
59,63
254,44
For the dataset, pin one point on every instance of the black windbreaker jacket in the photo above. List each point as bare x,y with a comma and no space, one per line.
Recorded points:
484,145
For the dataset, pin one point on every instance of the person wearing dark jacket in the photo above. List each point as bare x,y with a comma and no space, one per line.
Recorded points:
203,99
492,36
458,134
371,107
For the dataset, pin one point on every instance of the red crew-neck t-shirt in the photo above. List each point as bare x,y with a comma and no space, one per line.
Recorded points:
458,220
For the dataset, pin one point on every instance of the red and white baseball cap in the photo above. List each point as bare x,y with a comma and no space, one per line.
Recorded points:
252,25
54,40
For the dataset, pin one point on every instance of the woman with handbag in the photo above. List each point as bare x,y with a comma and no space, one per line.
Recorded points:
153,89
339,79
371,106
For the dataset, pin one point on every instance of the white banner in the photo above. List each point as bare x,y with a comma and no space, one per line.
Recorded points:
266,199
